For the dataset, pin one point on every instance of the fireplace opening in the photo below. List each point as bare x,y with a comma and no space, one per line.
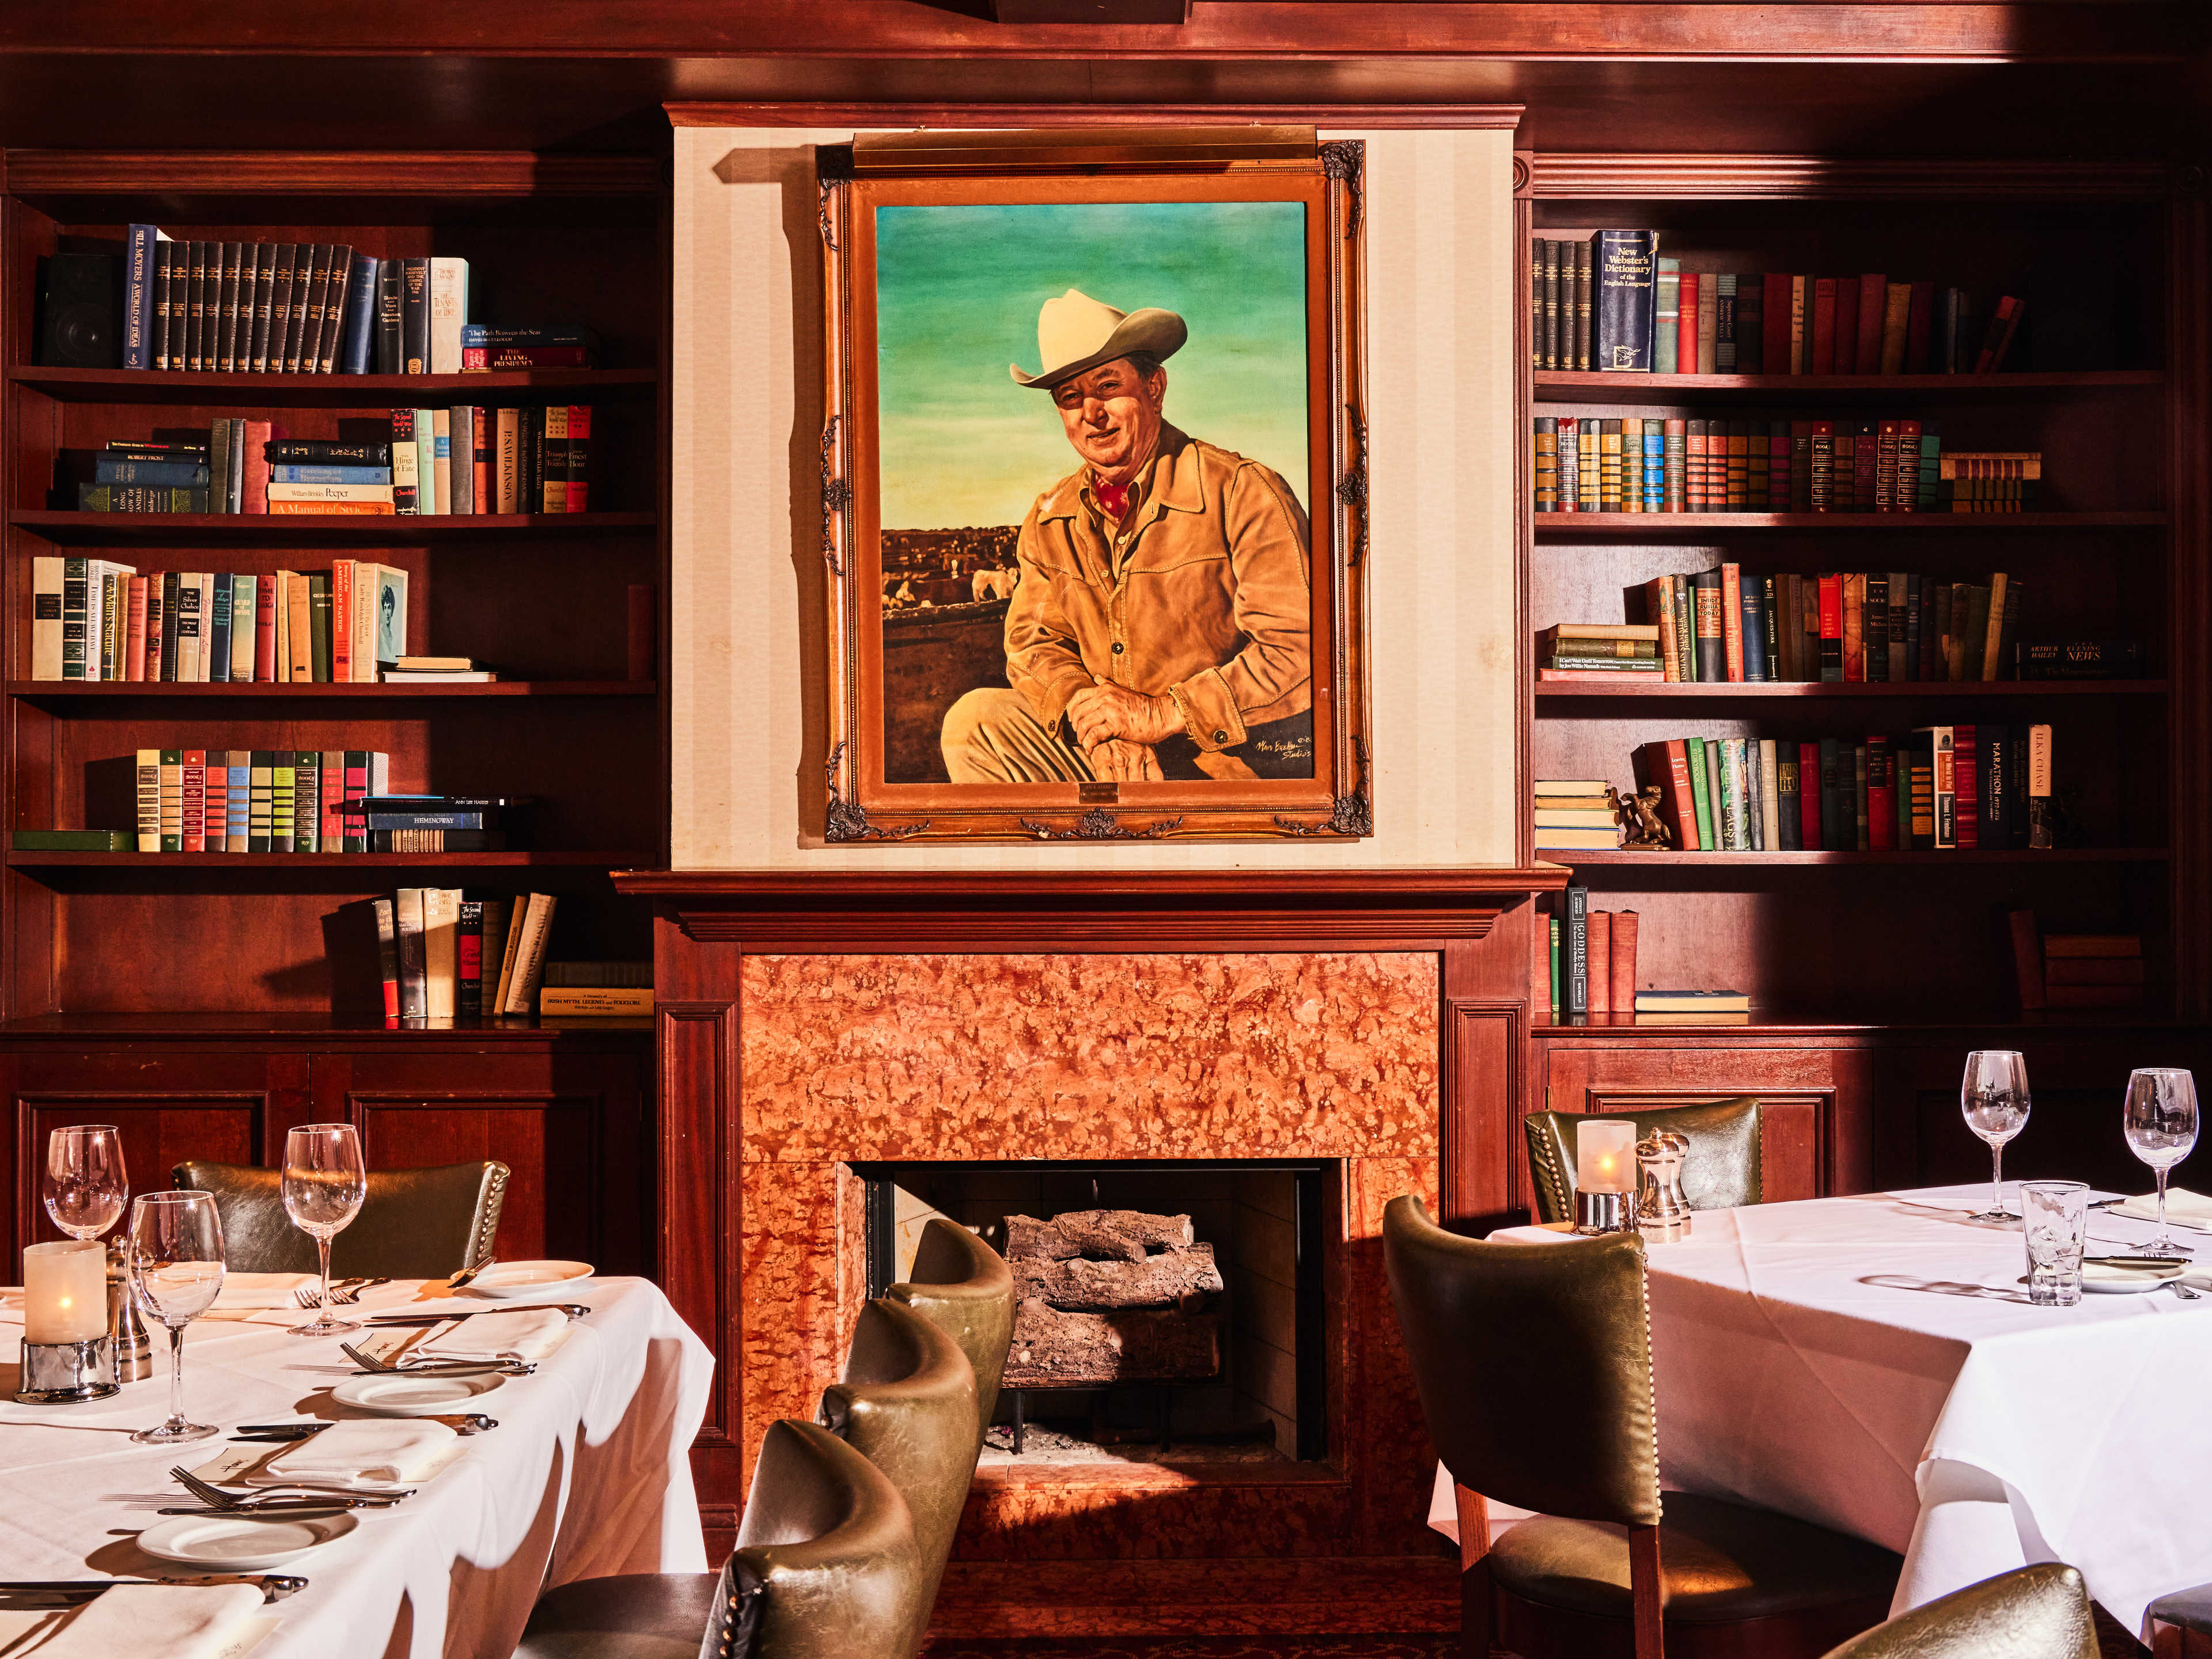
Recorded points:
1168,1310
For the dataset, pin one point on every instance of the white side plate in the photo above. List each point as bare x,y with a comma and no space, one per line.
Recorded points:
233,1543
521,1278
2126,1281
395,1393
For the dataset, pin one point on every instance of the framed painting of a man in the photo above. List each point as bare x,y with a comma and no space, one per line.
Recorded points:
1094,493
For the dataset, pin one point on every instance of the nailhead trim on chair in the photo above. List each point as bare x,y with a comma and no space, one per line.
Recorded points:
1550,1175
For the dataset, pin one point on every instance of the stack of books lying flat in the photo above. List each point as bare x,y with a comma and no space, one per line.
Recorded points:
1627,652
1574,816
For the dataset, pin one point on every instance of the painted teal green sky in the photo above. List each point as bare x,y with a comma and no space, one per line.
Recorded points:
958,293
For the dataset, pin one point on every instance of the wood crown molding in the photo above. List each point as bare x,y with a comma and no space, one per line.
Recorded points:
1604,176
1330,116
352,172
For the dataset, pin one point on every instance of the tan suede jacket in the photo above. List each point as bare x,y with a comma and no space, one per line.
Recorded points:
1204,595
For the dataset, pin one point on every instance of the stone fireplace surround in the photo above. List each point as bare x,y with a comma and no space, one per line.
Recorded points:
1375,1019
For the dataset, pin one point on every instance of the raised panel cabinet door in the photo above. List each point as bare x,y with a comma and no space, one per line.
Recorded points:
570,1128
169,1105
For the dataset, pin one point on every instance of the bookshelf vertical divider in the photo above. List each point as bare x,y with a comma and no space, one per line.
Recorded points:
207,1002
1871,974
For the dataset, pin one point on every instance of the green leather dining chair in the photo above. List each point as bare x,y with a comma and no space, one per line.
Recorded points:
907,1400
963,1287
826,1567
414,1223
1533,1366
2032,1613
1720,1172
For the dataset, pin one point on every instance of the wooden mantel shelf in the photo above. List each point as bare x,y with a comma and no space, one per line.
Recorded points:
1087,909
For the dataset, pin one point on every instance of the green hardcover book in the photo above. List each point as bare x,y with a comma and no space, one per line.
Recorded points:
306,800
261,780
1694,750
1859,795
319,623
283,798
1732,814
73,840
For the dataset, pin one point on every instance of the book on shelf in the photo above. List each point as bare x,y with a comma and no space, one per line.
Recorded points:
251,801
1693,1002
2078,659
1575,816
485,349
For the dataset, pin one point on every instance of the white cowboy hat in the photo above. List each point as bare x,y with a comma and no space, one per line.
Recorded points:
1076,332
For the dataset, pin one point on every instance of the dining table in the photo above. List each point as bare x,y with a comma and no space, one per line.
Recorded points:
1874,1363
586,1473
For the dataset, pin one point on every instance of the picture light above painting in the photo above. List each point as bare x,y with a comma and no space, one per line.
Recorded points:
1094,486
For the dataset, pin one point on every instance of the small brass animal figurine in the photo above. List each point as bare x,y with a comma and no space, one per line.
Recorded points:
1639,816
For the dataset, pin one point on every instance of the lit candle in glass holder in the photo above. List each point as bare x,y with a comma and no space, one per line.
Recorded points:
65,1291
1605,1175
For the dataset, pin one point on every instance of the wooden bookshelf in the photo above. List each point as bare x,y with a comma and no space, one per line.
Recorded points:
274,947
1872,972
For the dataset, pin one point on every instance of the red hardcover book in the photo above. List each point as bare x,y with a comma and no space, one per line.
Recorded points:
1774,324
265,630
1808,796
1732,619
195,781
2003,327
1824,326
1686,338
1966,792
1622,977
485,422
151,668
255,471
1882,795
1832,628
1874,297
1549,675
1866,464
1667,764
1600,937
1844,349
1693,450
1920,330
579,451
1777,468
341,585
134,641
215,792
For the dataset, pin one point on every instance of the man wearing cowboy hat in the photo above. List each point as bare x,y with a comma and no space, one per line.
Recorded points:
1161,626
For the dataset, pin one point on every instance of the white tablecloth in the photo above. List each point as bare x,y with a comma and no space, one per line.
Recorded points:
589,1474
1873,1363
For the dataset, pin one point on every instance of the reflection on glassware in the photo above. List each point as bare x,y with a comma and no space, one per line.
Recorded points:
176,1269
325,1181
2160,1120
1993,1096
85,1182
2055,1216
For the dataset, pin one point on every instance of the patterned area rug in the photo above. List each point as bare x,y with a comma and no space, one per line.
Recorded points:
1204,1646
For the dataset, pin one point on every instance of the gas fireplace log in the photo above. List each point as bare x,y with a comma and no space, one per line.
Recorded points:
1112,1235
1173,1278
1056,1350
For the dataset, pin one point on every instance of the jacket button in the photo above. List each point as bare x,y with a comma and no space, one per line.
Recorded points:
1221,736
1117,647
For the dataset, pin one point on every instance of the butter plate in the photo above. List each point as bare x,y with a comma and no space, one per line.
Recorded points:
410,1394
240,1543
516,1280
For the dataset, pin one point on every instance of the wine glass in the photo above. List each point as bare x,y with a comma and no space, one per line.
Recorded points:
324,1183
176,1269
1993,1096
2160,1119
86,1184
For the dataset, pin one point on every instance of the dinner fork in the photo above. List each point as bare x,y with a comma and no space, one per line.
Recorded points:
216,1498
434,1366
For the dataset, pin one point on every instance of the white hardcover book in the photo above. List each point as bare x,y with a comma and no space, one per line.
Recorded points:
46,617
361,624
407,907
426,460
530,956
441,914
149,800
314,492
442,449
390,614
1770,800
207,624
449,309
189,621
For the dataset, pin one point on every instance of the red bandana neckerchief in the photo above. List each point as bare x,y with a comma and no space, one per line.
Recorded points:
1114,499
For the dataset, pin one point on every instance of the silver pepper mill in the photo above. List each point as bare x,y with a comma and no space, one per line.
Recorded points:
1662,1213
134,1353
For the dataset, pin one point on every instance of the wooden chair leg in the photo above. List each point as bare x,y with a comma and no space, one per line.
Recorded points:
1473,1525
1476,1618
1643,1587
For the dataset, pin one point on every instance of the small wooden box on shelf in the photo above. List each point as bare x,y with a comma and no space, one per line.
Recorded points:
1850,955
271,942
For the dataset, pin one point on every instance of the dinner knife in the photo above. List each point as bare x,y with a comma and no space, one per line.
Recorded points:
574,1310
465,1422
275,1586
2144,1261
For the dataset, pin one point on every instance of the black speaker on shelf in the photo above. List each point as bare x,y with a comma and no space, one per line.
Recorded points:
81,311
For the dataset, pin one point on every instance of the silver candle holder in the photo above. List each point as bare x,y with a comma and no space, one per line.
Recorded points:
67,1373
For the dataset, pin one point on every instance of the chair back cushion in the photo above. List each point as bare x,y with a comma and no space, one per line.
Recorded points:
2032,1613
908,1401
1534,1365
963,1287
1720,1172
828,1542
414,1223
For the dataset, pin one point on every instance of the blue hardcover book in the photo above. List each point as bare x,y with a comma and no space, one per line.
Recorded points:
1751,604
356,343
433,820
171,474
1654,466
218,645
139,298
330,475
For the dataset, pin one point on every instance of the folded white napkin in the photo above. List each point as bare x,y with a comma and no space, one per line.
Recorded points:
2183,1207
246,1291
158,1622
526,1333
385,1452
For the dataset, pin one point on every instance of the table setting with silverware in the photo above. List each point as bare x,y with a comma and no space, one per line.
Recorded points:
309,1419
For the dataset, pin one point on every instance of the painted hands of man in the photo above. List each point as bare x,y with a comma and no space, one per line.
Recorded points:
1100,712
1126,762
